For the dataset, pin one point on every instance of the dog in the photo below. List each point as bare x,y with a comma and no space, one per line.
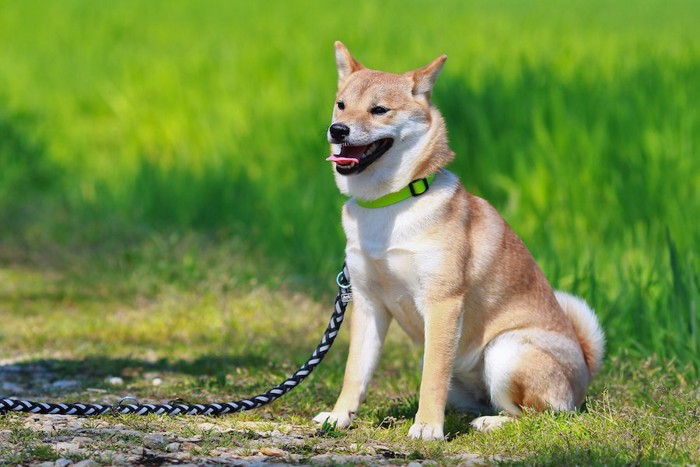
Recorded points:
445,265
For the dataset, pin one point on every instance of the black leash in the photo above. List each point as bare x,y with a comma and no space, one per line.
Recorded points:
183,408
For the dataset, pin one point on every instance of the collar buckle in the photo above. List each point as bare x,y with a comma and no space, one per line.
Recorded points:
417,191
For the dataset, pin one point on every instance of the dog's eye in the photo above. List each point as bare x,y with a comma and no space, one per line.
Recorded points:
341,105
379,110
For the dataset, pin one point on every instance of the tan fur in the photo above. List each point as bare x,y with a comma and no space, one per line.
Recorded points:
448,269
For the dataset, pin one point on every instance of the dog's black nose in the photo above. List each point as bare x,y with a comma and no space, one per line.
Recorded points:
339,131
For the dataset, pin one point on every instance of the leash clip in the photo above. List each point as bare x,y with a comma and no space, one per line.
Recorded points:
345,288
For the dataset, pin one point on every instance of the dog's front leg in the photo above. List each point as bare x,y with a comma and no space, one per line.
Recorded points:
368,327
442,330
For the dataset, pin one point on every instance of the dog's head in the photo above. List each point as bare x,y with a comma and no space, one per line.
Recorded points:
384,132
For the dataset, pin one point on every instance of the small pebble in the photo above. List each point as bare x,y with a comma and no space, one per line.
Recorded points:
86,463
115,381
207,426
188,446
82,441
273,452
173,447
66,447
154,440
120,459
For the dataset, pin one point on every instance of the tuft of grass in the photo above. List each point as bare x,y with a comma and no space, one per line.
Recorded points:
330,430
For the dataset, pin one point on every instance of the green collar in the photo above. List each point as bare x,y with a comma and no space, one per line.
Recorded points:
415,188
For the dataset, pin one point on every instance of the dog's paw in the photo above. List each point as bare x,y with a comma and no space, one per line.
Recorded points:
339,419
490,423
426,431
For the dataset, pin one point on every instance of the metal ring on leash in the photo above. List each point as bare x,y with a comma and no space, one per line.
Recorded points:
179,408
128,398
340,282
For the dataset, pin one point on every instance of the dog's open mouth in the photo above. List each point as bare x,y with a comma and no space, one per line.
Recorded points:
355,159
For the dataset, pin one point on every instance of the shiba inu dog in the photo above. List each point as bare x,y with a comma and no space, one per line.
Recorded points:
445,265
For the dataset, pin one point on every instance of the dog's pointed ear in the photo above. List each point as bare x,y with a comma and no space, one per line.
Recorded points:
347,64
424,78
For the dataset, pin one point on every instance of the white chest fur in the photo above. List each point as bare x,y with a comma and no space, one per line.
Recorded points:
391,255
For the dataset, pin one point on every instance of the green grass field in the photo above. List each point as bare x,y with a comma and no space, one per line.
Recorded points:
161,161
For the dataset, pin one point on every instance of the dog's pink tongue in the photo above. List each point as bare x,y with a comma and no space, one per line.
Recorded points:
342,160
348,155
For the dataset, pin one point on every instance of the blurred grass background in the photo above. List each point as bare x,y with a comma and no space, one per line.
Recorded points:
131,128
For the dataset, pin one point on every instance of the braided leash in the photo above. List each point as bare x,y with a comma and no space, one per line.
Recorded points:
177,408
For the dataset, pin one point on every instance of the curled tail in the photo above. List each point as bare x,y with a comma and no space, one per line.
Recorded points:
586,327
